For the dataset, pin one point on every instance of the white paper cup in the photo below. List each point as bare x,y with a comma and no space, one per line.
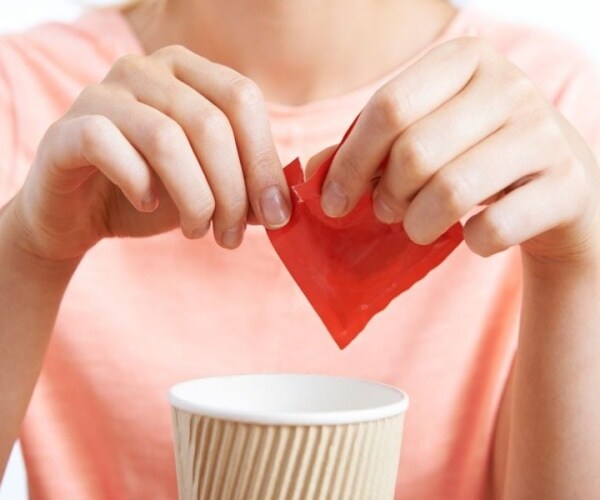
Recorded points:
287,437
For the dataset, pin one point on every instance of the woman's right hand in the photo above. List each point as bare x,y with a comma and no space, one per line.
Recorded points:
166,140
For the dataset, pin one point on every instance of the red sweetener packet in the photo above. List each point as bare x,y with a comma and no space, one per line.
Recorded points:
352,267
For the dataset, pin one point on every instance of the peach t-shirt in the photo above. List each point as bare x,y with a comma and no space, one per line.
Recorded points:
141,315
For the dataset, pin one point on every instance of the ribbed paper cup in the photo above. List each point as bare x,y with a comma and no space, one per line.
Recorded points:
287,437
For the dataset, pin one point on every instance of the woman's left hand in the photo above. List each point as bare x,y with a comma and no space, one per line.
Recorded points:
464,127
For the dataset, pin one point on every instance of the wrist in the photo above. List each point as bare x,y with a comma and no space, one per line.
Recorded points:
583,267
17,245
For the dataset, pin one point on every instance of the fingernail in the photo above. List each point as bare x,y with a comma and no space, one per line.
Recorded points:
200,231
274,207
383,211
334,200
231,238
150,202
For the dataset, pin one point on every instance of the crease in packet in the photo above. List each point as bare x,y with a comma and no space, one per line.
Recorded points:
350,268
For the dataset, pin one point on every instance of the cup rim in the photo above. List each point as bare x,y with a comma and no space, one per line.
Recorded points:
336,417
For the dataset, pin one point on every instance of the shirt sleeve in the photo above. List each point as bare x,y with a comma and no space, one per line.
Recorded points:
7,133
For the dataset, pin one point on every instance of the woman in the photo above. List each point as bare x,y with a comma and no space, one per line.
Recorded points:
190,130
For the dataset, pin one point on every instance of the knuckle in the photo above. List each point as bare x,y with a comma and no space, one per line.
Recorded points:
171,53
535,118
163,137
264,155
507,82
552,134
580,177
236,207
478,50
261,171
466,43
390,107
547,132
523,90
201,211
415,156
451,192
127,66
478,45
545,116
212,125
245,92
177,49
262,166
93,129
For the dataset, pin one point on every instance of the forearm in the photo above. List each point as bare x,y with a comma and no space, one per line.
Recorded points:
553,437
30,294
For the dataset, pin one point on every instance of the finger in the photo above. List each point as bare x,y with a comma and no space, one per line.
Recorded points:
212,140
165,147
491,167
241,100
94,140
252,219
529,211
317,160
415,93
437,139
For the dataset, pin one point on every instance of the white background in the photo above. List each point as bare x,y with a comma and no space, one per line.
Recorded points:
576,19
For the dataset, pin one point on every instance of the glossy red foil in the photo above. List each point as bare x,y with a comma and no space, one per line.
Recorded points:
352,267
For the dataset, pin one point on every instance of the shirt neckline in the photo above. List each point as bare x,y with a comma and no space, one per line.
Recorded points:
455,26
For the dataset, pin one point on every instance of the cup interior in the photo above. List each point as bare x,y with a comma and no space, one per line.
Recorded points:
289,399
